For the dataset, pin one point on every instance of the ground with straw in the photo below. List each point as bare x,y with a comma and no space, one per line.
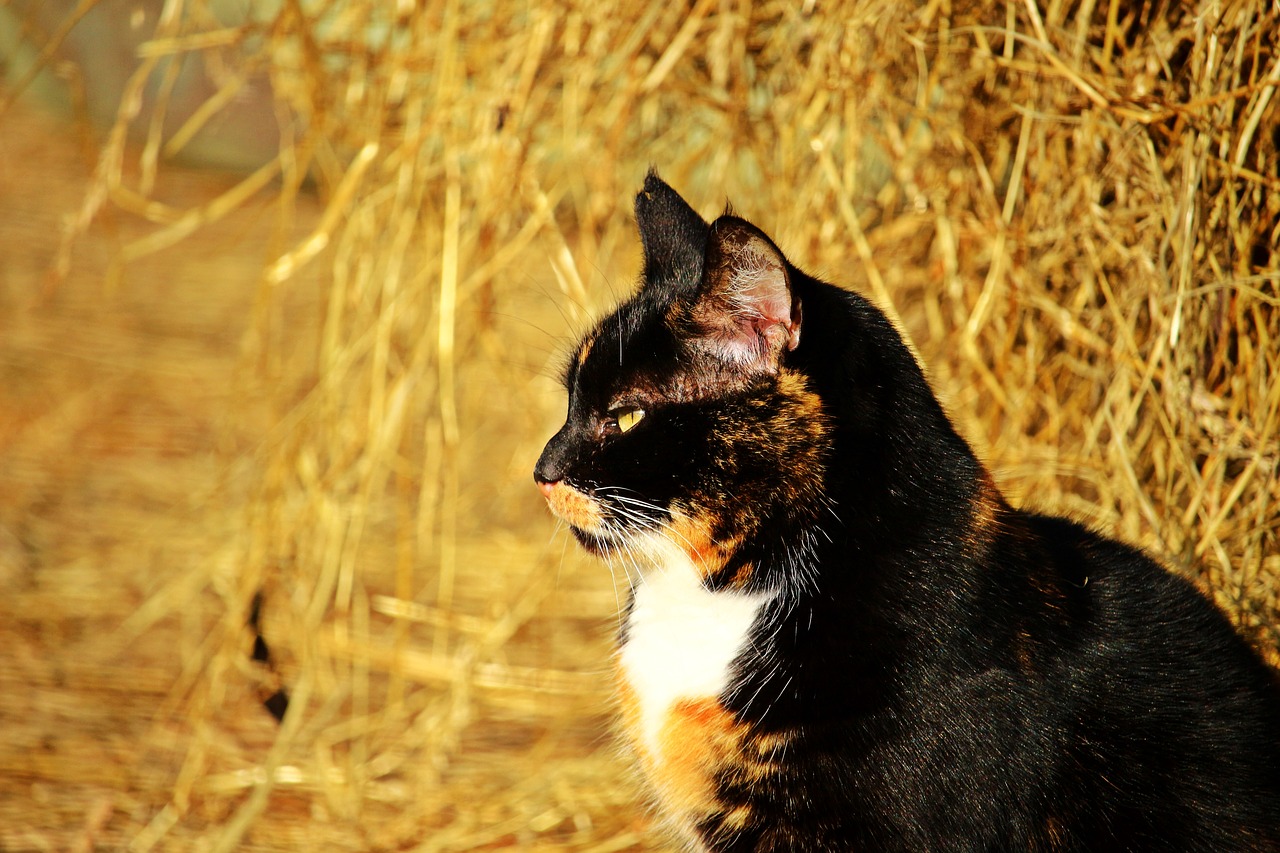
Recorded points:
319,379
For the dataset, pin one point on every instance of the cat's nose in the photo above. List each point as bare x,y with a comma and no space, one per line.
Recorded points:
553,464
545,488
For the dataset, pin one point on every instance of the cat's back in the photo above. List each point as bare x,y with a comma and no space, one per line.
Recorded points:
1169,721
1116,609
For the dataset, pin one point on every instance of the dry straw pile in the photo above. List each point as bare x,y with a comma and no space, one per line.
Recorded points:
1073,209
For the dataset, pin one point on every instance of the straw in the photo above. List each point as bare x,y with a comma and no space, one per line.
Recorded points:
323,382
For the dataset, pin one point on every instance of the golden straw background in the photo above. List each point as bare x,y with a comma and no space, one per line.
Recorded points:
284,289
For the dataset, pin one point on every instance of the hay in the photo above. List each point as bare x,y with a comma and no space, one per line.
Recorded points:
324,379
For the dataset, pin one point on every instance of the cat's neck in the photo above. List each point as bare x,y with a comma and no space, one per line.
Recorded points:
898,477
680,638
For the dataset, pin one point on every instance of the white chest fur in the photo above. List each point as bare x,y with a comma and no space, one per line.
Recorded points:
681,639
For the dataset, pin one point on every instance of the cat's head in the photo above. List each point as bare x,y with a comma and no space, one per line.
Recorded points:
688,425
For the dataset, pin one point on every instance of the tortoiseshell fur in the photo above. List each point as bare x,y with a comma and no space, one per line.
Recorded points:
841,636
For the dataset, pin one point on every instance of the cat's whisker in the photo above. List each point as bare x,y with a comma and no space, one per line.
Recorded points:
635,575
631,509
618,551
782,692
648,524
613,578
651,524
773,672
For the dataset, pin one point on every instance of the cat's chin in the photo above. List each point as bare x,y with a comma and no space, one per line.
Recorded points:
606,545
594,543
640,549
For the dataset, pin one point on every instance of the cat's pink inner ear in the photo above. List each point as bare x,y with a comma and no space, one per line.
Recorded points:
746,307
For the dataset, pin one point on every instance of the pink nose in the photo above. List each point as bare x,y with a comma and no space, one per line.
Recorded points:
546,489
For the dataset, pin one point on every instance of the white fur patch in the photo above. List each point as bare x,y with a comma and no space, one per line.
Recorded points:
681,638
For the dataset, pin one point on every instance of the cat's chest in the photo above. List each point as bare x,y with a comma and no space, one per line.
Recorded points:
674,664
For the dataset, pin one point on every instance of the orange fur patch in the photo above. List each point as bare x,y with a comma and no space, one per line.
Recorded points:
700,744
692,534
795,386
700,741
699,738
576,508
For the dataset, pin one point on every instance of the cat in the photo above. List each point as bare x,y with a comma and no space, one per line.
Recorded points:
840,635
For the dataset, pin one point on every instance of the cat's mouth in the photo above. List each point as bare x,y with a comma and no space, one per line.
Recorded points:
610,521
575,507
598,544
597,528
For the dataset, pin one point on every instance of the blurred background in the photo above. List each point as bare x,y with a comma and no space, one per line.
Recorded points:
285,287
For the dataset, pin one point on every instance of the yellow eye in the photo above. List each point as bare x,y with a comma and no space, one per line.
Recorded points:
627,417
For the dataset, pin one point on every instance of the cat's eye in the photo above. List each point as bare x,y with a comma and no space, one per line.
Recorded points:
626,417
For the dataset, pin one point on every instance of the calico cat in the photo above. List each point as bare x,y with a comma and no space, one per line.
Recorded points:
840,634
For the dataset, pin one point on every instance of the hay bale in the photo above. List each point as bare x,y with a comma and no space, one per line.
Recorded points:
1070,209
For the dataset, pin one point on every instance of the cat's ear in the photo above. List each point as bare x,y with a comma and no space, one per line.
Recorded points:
745,309
673,235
